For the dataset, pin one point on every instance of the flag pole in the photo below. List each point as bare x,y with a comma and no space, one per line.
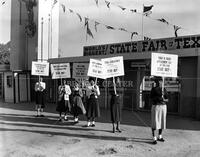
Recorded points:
143,23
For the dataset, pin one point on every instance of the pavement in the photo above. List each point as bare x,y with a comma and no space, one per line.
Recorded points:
24,135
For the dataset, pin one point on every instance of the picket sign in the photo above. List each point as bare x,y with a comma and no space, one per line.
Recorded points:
59,71
40,68
96,69
106,68
80,71
164,65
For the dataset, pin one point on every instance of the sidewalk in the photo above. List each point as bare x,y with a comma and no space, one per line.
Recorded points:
22,134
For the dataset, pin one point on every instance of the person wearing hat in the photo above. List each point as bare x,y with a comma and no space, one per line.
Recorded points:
92,109
158,98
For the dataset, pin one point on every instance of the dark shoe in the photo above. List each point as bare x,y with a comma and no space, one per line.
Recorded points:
42,115
113,130
154,142
37,116
93,125
118,130
161,139
60,120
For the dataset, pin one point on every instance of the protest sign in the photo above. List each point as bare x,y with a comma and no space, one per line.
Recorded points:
80,71
60,70
40,68
164,65
96,69
113,66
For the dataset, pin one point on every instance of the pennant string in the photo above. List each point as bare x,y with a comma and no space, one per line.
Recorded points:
146,12
96,23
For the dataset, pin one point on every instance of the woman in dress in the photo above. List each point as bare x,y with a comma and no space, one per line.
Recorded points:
40,87
78,107
115,104
63,105
92,109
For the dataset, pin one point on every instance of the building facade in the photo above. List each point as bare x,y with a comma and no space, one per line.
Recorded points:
18,83
184,91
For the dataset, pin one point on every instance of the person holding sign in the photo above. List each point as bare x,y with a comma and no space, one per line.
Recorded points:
63,105
77,107
40,89
92,109
158,97
115,104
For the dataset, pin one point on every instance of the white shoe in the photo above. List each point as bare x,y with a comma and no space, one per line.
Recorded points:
75,119
66,118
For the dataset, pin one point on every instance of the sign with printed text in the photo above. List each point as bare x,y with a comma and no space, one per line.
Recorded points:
40,68
80,71
113,66
60,70
106,68
96,69
164,65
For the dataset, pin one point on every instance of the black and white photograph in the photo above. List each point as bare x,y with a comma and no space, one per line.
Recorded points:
99,78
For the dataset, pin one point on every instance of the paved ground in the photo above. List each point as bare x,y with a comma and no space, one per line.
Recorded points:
24,135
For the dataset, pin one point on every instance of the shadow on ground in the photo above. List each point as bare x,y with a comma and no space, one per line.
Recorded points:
128,117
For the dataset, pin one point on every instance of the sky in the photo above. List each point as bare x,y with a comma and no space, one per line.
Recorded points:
5,12
72,33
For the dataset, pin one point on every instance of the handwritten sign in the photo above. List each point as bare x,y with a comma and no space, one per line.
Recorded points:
80,71
164,65
60,71
40,68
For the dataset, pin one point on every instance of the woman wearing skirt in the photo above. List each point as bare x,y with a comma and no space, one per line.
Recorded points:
92,109
78,107
158,110
115,104
63,105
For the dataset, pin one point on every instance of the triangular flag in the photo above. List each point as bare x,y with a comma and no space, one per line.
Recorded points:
96,2
109,27
3,2
122,29
147,38
95,25
86,22
89,32
176,28
121,7
63,7
147,8
55,1
79,16
163,20
133,33
71,11
133,10
108,4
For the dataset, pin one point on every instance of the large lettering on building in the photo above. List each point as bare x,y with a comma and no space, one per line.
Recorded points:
144,46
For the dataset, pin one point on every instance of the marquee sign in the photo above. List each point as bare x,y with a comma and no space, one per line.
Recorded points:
144,46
